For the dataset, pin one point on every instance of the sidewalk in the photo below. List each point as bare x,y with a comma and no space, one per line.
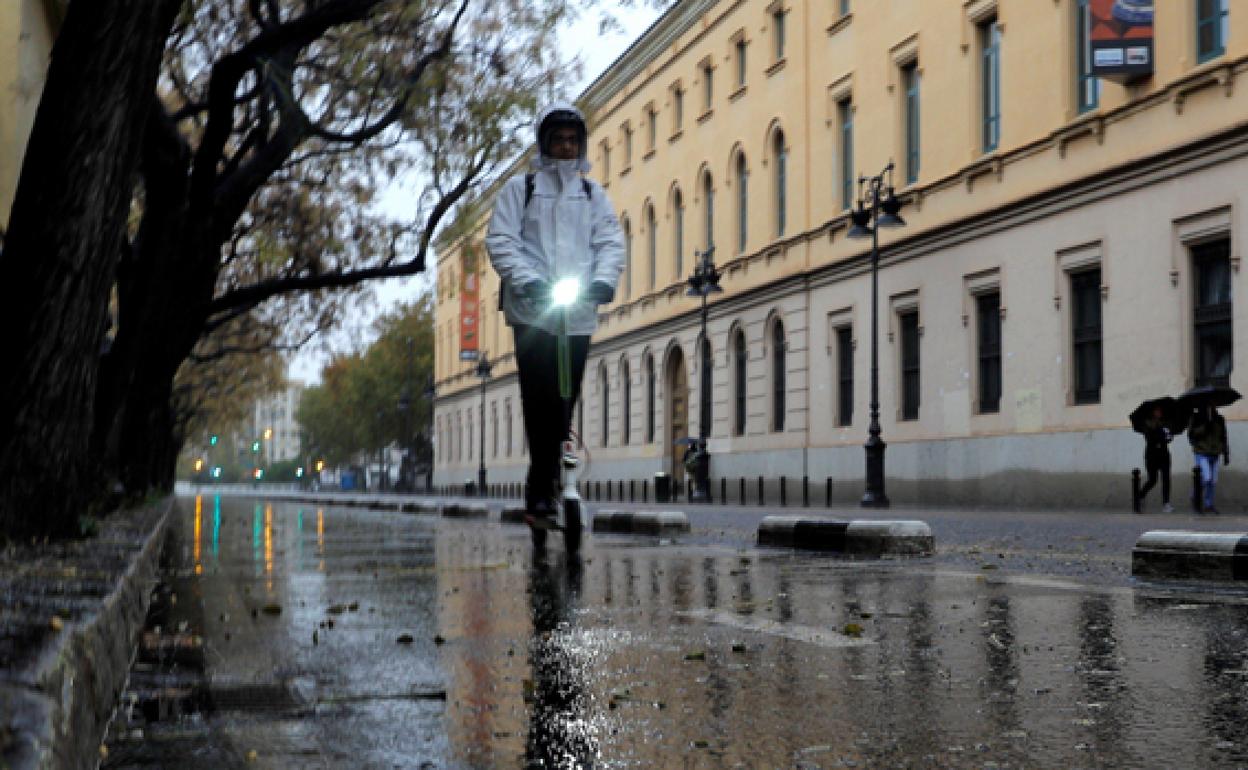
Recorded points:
69,615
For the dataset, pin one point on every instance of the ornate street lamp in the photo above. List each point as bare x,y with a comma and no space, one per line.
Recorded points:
702,283
483,371
877,207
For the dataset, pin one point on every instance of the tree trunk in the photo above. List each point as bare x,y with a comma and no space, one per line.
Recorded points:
66,231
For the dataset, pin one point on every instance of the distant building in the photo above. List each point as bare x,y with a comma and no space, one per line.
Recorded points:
1073,246
273,424
27,30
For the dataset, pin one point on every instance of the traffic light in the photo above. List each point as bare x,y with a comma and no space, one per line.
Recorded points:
216,472
299,472
213,439
320,465
199,464
258,474
268,433
255,446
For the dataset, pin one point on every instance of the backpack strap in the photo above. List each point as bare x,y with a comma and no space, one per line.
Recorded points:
530,182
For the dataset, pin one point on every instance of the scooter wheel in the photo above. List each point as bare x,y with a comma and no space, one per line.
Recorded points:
572,526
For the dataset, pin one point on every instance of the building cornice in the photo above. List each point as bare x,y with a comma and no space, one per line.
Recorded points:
665,31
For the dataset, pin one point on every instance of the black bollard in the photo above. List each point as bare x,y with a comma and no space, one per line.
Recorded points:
621,490
760,490
645,490
723,491
827,494
632,496
805,491
1135,489
783,501
1197,493
741,497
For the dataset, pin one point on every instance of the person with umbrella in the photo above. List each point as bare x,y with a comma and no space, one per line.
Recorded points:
1207,435
1152,421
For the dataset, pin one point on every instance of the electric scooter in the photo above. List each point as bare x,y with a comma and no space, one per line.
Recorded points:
568,518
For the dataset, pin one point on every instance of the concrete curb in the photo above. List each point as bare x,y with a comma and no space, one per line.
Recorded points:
465,510
641,522
1184,555
419,506
512,514
56,703
864,537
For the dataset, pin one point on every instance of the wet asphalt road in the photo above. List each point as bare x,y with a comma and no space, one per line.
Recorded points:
1010,648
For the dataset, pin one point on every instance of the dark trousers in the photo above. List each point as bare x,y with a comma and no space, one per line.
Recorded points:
1157,464
546,422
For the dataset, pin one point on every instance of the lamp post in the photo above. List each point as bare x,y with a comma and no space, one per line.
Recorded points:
702,283
873,212
407,476
483,371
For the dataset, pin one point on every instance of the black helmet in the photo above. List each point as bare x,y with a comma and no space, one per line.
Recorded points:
560,118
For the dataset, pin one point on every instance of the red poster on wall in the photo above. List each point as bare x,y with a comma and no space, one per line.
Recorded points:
469,305
1121,38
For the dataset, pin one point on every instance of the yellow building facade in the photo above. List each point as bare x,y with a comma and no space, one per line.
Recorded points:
1072,246
27,30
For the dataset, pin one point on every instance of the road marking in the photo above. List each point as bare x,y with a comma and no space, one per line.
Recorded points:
818,636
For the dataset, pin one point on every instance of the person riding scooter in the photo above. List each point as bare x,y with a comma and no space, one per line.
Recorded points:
549,225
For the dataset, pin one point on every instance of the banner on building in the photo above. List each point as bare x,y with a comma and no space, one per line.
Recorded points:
1121,38
469,307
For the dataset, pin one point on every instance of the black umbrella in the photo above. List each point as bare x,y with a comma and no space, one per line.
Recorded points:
1174,416
1208,395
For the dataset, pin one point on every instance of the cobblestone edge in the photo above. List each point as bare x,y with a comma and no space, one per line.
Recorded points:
54,712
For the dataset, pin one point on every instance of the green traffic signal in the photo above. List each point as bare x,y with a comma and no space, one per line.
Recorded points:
255,446
212,440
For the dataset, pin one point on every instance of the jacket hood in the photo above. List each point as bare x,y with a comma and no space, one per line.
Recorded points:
565,112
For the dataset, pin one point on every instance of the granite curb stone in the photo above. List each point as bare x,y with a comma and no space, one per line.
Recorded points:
641,522
1185,555
865,537
58,694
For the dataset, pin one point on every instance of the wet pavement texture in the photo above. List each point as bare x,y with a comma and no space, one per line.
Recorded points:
336,637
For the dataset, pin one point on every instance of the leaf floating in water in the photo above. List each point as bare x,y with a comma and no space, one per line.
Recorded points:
852,629
404,639
699,655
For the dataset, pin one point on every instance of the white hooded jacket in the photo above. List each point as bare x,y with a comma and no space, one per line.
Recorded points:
560,234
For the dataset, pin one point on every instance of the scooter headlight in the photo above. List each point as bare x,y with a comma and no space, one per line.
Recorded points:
565,292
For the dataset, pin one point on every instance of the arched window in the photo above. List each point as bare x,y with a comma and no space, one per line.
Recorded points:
743,202
708,213
652,243
739,359
782,170
777,377
470,443
627,227
708,371
494,429
626,404
459,437
650,394
606,405
678,232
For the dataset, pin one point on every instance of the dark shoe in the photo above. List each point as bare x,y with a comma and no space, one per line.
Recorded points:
1211,510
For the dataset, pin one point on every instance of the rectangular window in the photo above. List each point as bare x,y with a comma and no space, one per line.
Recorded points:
708,86
777,19
678,110
628,145
1087,85
1212,26
990,86
845,112
989,317
1085,306
845,376
606,161
652,128
909,322
1212,313
910,80
741,70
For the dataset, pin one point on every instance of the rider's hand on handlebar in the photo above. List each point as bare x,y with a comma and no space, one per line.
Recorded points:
537,290
600,293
